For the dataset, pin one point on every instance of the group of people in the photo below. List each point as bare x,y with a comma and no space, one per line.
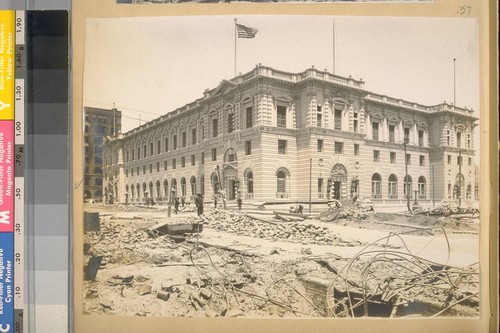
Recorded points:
181,202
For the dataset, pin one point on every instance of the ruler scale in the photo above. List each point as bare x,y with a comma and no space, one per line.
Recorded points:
7,156
19,128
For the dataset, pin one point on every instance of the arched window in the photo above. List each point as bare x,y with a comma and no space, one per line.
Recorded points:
193,185
173,189
250,182
376,190
393,187
281,183
165,188
158,189
215,182
138,187
183,186
151,193
421,187
407,189
202,184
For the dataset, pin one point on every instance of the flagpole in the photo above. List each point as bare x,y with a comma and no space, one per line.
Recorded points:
454,83
333,46
235,45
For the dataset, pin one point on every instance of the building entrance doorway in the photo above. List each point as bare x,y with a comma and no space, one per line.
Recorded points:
338,182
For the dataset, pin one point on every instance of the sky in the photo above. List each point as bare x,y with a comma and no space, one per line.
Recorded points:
147,67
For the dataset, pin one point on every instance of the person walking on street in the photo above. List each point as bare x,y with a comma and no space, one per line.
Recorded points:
199,204
176,205
215,202
183,202
239,201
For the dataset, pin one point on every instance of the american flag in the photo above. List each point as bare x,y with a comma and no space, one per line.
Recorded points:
245,32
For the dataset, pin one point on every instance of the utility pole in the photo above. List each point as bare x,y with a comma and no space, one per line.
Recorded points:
459,178
407,188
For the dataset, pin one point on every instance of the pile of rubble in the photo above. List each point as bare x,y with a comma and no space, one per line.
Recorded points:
447,210
352,213
244,225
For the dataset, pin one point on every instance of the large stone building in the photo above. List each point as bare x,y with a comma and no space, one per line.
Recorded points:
99,124
273,136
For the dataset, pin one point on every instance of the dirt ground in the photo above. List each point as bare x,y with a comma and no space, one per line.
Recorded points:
261,264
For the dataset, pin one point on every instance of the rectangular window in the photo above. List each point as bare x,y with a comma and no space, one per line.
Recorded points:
421,160
137,169
393,157
151,152
375,127
215,127
151,168
174,143
408,159
449,159
281,116
281,146
133,155
248,147
165,165
143,169
214,154
407,134
193,136
202,158
132,171
183,161
459,139
145,153
355,125
184,139
127,156
320,186
230,123
459,160
158,147
376,156
320,145
319,119
337,119
356,149
166,144
193,160
126,172
421,138
339,147
138,152
392,133
469,161
157,166
249,117
174,163
203,132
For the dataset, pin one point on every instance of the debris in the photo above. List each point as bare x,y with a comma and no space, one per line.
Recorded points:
163,295
143,289
176,229
92,268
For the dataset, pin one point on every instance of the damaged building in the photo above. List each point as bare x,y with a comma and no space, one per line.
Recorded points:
278,137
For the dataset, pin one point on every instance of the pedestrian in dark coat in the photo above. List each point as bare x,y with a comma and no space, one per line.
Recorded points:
199,204
176,205
239,201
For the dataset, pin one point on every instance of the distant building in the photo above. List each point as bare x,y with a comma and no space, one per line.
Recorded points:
99,124
274,136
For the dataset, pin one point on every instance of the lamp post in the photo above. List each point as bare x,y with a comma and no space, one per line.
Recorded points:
459,178
407,189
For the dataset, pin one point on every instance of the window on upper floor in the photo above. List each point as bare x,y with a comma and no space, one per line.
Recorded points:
339,147
320,145
356,149
214,154
392,133
421,138
174,142
406,134
375,128
282,146
356,122
421,160
459,139
319,116
376,156
281,116
248,147
166,144
184,139
393,157
215,127
193,136
337,119
230,123
249,117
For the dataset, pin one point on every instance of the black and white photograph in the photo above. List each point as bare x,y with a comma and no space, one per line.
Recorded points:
281,166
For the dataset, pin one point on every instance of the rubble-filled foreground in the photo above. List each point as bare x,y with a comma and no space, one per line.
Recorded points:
141,275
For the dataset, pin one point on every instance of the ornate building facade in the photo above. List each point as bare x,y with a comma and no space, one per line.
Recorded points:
273,136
